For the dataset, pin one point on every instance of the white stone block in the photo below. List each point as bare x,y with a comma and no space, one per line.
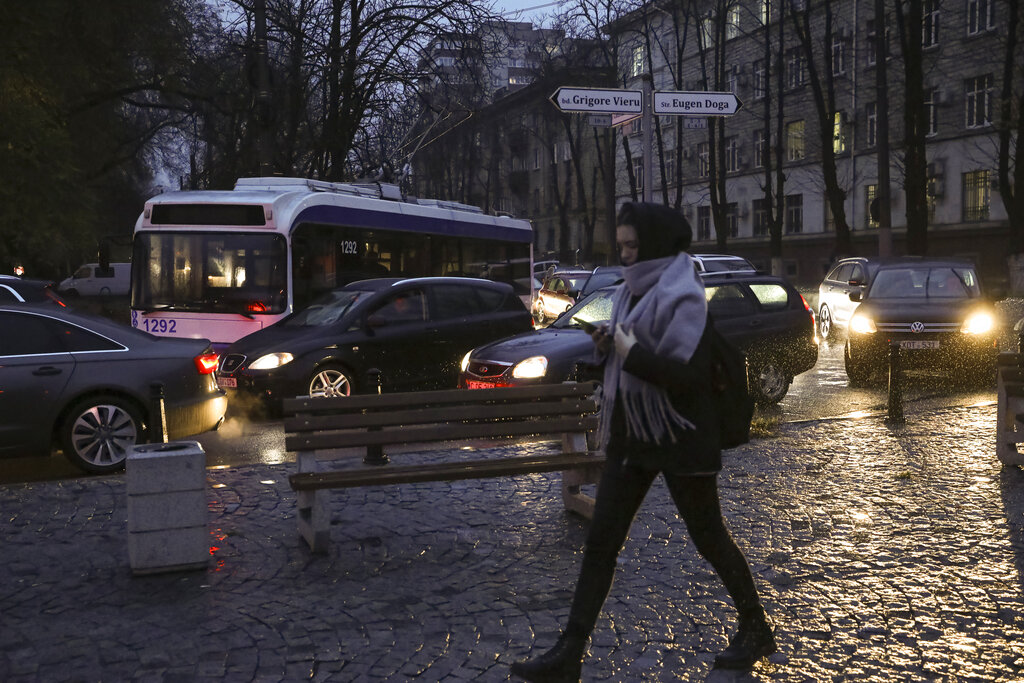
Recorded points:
175,510
165,467
166,550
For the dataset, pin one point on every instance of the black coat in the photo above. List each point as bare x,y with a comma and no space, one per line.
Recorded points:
694,451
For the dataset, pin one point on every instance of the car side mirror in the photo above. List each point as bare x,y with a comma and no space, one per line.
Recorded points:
855,296
375,320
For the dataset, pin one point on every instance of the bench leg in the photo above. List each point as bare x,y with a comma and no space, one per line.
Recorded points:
1009,431
313,516
572,497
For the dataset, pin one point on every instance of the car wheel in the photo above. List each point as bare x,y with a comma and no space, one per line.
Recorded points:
330,382
97,433
825,327
768,383
858,373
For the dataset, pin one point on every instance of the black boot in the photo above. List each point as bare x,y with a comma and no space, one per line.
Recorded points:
560,664
754,639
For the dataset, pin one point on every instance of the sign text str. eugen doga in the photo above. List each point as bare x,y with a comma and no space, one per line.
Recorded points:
696,103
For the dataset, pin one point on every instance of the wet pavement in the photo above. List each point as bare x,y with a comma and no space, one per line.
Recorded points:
884,554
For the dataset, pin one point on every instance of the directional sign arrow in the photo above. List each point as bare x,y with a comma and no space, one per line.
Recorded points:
595,100
696,103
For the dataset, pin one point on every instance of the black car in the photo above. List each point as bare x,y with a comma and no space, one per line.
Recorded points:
603,276
84,384
413,331
14,289
763,315
934,310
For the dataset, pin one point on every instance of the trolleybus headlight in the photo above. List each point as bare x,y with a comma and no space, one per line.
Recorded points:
271,361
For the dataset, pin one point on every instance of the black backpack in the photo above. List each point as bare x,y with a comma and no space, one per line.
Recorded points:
729,389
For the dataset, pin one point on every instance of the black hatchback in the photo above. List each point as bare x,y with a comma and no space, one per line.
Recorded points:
413,331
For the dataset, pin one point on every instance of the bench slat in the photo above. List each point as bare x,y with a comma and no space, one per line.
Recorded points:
304,404
442,432
449,471
309,423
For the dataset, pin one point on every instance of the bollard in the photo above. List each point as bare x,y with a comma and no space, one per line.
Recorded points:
895,387
374,454
158,431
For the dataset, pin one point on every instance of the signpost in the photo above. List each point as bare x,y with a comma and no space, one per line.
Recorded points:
696,103
614,107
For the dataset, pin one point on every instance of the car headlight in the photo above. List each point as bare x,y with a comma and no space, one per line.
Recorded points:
465,361
531,368
861,324
271,361
978,323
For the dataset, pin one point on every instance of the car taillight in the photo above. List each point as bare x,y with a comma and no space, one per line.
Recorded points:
810,312
206,363
256,307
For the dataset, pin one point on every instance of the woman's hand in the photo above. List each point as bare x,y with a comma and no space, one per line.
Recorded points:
624,340
602,339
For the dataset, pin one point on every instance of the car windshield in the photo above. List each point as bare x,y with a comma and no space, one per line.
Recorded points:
602,278
921,282
596,309
326,309
714,265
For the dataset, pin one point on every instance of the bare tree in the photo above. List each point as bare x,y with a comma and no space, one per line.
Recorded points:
1011,139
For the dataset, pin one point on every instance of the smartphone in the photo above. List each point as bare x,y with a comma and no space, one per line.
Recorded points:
588,327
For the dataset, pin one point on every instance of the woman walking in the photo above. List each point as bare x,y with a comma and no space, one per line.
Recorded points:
658,418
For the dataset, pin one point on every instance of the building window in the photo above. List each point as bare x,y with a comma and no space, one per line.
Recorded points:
536,158
794,213
838,54
871,52
830,220
980,16
796,67
838,132
703,222
670,170
732,218
930,23
732,155
931,112
760,79
731,78
764,12
707,33
979,101
795,141
703,160
638,173
870,192
760,207
636,61
871,114
732,22
976,195
759,148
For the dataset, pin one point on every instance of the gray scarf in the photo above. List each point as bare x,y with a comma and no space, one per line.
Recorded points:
668,320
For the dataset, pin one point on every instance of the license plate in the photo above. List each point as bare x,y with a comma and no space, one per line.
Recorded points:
227,382
919,344
472,384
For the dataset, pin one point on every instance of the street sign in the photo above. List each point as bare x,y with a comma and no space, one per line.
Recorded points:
621,119
600,120
595,100
697,103
695,122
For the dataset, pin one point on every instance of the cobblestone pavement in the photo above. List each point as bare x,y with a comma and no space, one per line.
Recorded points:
884,554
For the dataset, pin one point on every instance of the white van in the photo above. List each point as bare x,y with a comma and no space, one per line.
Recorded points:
91,280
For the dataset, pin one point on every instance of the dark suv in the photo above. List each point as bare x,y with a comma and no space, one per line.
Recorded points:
934,310
414,331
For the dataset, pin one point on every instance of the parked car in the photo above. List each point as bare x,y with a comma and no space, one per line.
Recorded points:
763,315
835,307
14,289
414,331
603,276
83,384
558,293
91,279
715,263
934,310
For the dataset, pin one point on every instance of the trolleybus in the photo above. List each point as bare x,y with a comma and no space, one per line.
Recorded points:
223,264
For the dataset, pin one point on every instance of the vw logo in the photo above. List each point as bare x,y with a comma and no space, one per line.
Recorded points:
917,327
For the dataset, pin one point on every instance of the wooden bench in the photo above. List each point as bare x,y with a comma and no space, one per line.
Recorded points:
378,426
1010,408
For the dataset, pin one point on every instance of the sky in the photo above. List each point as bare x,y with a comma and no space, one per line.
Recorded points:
526,10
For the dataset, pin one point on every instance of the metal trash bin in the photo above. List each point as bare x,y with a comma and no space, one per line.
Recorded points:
167,507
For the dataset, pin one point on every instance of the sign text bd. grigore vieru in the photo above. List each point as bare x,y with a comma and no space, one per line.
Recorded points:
598,101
